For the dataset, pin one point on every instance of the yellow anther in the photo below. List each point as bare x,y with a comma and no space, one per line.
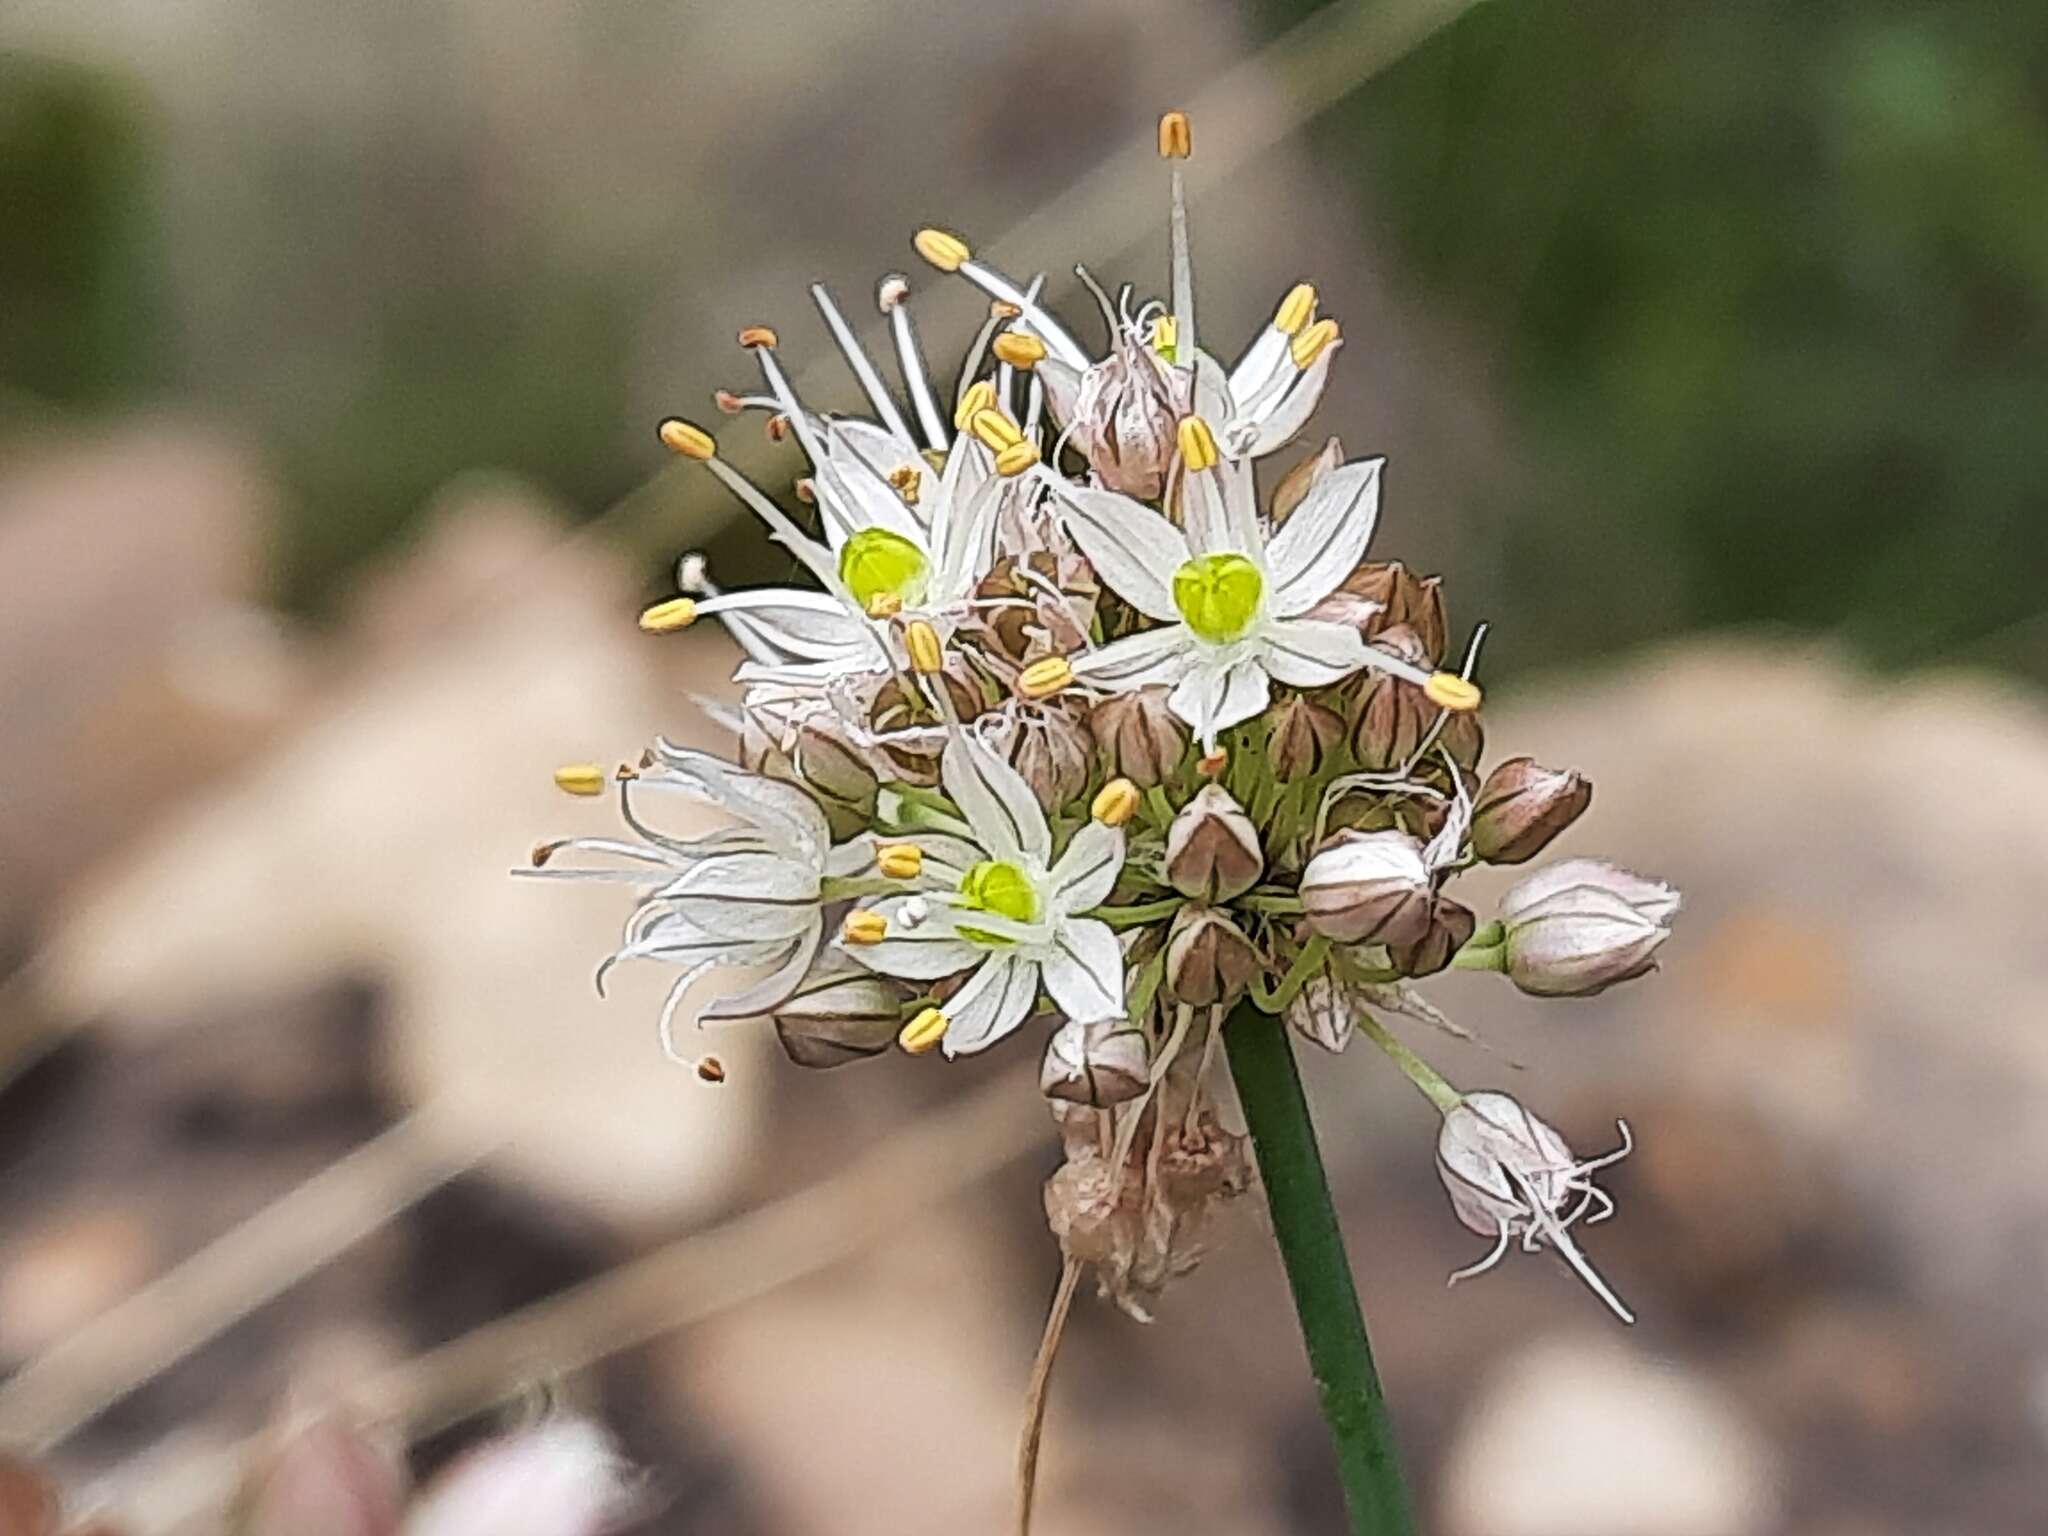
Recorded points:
864,925
756,336
885,605
1018,349
580,779
1297,309
995,430
1175,142
666,618
1309,345
907,483
980,396
691,441
923,1032
1116,803
1197,444
1017,458
1166,337
1044,677
942,250
711,1069
900,861
927,651
1210,764
1447,690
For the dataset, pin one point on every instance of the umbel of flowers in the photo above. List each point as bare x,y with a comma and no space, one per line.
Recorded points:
1082,725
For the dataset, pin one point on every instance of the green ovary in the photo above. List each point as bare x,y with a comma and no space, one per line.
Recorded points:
877,563
1218,595
996,886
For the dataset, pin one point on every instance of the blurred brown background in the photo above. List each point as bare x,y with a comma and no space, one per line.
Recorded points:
1708,346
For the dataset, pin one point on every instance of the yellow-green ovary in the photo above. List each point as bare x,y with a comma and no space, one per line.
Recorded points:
1218,595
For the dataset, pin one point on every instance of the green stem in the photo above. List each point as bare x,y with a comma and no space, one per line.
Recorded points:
1148,912
1312,1250
1434,1085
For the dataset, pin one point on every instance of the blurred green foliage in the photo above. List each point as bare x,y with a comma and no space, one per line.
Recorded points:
1769,287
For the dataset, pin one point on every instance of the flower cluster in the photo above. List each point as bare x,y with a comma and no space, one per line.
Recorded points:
1068,721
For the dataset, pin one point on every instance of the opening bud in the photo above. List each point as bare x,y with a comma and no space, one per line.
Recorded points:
580,779
1176,140
1304,735
1369,888
864,925
1197,444
1522,806
1309,345
1018,349
1209,961
687,439
1582,926
1115,803
1212,848
923,1032
900,861
1045,677
1099,1063
944,251
1297,309
666,618
752,336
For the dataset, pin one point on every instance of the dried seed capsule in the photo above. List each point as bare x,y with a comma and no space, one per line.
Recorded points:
1212,848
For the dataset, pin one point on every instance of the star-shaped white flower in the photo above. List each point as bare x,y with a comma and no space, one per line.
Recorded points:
1231,602
1005,908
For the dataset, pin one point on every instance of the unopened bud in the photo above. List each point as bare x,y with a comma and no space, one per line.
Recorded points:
1652,898
1450,925
826,761
561,1477
1099,1063
1212,848
1580,938
1142,738
1052,756
1522,806
1116,803
1368,888
1209,961
1304,734
1393,714
1414,602
844,1017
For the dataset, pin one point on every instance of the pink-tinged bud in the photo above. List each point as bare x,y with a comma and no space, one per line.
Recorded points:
1450,925
1209,961
1212,848
1324,1011
843,1016
1407,601
1464,738
1393,714
1522,806
1143,739
563,1477
1511,1175
1099,1063
328,1479
1123,420
1369,888
1304,735
830,764
1580,927
28,1500
1053,753
1304,477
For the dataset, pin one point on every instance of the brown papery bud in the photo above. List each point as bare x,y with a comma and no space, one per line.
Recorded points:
1303,735
1209,961
1301,479
1522,806
1450,925
1212,848
826,761
1369,888
1415,603
1099,1063
1052,754
1140,736
1393,714
841,1017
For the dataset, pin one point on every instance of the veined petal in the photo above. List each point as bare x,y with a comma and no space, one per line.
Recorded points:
1276,426
872,501
1267,352
1151,656
923,953
1213,697
785,814
1085,970
1083,877
996,999
1324,538
811,626
774,988
746,896
996,801
1311,653
963,535
1133,549
946,859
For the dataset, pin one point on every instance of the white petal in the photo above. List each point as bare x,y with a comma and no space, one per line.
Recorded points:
1199,696
1278,423
924,953
811,626
747,896
1245,694
787,815
1133,549
996,999
946,859
1311,653
1088,869
1152,656
963,536
994,798
1085,971
851,497
1266,353
1324,538
774,989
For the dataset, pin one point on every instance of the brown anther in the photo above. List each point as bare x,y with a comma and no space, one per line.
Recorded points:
626,773
727,401
1003,309
778,427
757,336
711,1069
542,852
1175,139
806,490
906,481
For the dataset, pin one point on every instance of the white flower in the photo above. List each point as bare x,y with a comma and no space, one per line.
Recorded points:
1576,928
1511,1175
1232,604
747,895
1006,908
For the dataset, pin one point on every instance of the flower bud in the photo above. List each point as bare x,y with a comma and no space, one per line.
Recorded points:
562,1477
1580,935
1142,738
1209,961
1369,888
327,1480
1414,603
1098,1063
1393,714
844,1016
1450,925
1324,1012
1123,420
1304,733
1052,753
828,763
1522,806
1212,848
